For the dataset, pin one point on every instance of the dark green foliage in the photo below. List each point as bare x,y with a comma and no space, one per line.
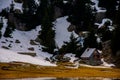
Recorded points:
72,46
47,34
110,5
4,12
41,11
106,34
12,7
29,6
116,41
9,30
58,3
28,19
1,25
0,34
81,15
90,41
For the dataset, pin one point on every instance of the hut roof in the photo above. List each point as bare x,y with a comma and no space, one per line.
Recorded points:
88,52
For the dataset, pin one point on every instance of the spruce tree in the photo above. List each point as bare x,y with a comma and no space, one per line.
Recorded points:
110,6
72,46
1,25
29,7
10,27
90,41
116,41
81,15
47,33
12,7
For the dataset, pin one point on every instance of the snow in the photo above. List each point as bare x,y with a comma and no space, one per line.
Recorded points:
71,56
99,9
41,78
62,33
110,27
37,1
10,56
18,6
65,2
25,36
106,64
6,4
105,20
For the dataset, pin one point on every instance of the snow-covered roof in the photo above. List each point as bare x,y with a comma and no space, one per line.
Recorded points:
88,52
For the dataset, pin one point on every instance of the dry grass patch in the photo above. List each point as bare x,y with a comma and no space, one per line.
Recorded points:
24,70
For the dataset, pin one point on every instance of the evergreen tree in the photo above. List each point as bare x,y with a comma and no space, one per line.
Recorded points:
72,46
40,13
1,25
117,20
90,41
110,6
29,7
81,15
9,29
12,7
116,41
47,33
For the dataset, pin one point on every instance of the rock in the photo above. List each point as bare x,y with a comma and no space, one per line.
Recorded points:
28,53
18,1
38,40
17,41
18,11
71,28
5,47
32,42
31,49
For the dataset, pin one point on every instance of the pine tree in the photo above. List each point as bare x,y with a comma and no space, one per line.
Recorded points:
72,46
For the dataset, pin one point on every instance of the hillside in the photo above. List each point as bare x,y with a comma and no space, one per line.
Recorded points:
21,40
28,24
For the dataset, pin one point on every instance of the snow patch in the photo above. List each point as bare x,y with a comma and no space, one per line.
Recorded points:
106,64
62,33
6,4
99,9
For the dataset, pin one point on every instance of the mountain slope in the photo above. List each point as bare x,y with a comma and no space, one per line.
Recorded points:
24,42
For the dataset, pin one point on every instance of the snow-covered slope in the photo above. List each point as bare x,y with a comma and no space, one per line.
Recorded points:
21,42
10,56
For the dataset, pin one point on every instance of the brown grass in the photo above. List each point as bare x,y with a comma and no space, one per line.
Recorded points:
14,70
